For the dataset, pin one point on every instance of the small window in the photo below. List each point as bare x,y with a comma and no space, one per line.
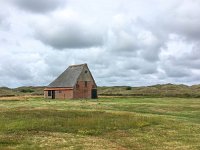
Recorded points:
49,93
85,71
85,83
77,86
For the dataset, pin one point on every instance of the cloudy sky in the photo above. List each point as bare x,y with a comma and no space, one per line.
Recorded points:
124,42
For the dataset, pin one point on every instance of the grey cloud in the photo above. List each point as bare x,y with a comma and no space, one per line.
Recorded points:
180,60
4,23
182,20
151,46
15,70
126,69
177,72
187,28
70,38
1,18
132,66
122,41
173,70
150,55
135,40
148,69
192,64
189,59
39,6
69,35
19,69
194,54
140,65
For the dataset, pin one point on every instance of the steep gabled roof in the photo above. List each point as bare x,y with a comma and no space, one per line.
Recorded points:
69,77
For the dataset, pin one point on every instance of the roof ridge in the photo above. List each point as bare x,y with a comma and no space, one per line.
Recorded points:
78,65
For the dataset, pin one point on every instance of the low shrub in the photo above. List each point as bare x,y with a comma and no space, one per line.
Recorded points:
26,90
128,88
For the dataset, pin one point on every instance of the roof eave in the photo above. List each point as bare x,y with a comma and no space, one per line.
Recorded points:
57,88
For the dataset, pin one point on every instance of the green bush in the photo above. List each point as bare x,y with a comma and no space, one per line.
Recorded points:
26,90
128,88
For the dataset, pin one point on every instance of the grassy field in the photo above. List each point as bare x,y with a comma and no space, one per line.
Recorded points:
106,123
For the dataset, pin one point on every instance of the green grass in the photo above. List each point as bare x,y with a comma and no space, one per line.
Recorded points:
106,123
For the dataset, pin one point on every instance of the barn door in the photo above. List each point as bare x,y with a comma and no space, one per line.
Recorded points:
94,93
53,94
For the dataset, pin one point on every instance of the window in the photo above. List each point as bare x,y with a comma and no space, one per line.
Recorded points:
85,71
49,93
77,86
85,83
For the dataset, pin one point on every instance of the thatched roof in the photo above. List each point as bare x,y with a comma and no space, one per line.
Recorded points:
69,77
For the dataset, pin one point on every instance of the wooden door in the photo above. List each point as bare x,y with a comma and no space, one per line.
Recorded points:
53,94
94,93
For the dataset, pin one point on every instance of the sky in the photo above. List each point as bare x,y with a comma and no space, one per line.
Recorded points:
124,42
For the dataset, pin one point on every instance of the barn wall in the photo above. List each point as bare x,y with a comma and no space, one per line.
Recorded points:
64,94
60,93
80,91
46,94
86,75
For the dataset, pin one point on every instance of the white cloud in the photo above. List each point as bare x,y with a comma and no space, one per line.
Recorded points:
124,42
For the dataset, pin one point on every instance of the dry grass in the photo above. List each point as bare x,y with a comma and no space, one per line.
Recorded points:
55,140
58,140
18,98
165,90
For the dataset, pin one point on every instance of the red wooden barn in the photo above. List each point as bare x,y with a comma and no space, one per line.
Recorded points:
74,83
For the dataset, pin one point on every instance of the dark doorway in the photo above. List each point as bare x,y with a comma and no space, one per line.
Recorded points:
53,94
49,93
94,93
